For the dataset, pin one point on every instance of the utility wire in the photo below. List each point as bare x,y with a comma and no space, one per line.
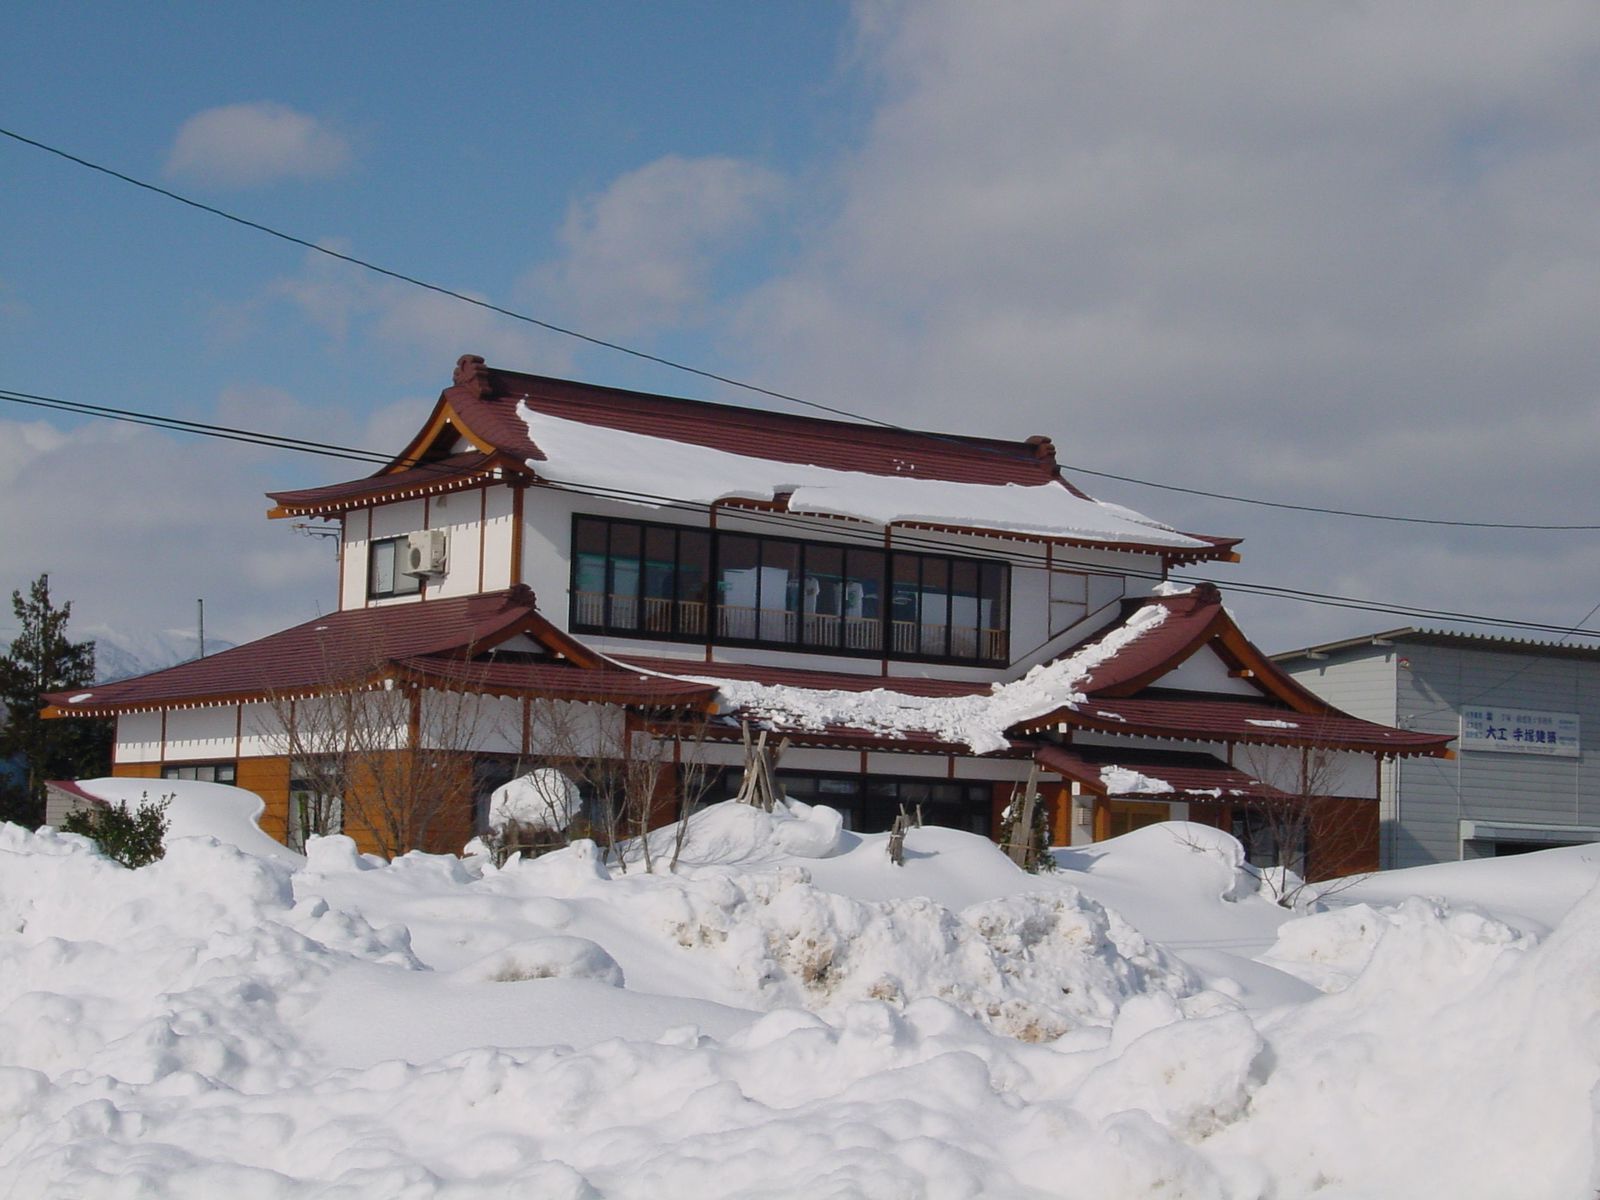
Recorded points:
864,538
756,389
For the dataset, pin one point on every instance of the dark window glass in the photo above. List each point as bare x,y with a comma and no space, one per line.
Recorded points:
589,573
668,582
863,599
694,574
622,599
385,558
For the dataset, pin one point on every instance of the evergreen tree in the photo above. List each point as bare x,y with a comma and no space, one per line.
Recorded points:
42,660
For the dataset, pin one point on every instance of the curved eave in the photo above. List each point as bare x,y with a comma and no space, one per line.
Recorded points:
1176,731
499,467
216,700
1216,549
444,419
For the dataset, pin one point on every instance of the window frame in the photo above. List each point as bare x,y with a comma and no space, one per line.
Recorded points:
394,544
176,771
992,584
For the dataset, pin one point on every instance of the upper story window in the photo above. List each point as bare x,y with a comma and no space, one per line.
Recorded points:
669,582
385,577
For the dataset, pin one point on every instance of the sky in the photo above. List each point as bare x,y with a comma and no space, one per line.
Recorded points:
1342,256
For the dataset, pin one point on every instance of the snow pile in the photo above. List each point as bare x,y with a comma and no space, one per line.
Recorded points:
198,809
543,799
978,721
1331,950
222,1024
638,465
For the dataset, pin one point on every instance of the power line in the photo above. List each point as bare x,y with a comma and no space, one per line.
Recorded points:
757,389
865,538
1331,512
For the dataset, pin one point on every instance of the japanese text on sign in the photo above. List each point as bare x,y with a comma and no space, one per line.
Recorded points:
1519,731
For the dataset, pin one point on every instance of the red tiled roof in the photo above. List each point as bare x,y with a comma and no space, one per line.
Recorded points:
1191,716
1191,619
848,737
827,681
759,433
557,680
484,408
1201,776
356,643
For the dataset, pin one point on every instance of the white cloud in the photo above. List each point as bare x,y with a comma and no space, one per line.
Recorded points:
640,255
428,330
1334,254
141,523
247,145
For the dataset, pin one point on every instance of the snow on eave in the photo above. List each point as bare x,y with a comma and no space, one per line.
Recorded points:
978,721
638,467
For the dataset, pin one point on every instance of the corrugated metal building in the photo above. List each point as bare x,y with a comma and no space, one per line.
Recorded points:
1521,778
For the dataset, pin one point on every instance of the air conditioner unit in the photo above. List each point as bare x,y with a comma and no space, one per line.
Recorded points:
425,553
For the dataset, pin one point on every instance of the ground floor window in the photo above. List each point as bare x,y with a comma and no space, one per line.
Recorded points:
311,811
214,772
1124,816
1273,838
870,803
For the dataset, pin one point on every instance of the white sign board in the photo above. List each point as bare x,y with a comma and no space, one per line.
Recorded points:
1519,731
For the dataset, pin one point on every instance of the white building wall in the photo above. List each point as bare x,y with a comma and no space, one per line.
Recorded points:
261,732
138,738
202,734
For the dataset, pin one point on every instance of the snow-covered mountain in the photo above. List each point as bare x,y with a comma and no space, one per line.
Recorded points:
119,654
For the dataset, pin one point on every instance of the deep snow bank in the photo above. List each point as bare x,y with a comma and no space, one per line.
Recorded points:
219,1024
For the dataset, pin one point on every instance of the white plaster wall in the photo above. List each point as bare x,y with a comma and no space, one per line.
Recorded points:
1203,671
138,738
459,516
200,734
261,732
353,560
498,533
1345,774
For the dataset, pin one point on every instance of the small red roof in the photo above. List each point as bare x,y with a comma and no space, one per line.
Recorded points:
452,473
518,677
1196,717
1195,776
366,643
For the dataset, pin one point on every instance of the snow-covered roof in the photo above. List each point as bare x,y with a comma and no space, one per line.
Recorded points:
643,469
649,448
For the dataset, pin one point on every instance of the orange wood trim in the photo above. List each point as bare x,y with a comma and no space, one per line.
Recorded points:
483,528
950,766
527,725
366,582
517,493
163,736
427,516
238,730
414,719
444,415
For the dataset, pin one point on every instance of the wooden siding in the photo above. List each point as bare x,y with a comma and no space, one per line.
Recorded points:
269,779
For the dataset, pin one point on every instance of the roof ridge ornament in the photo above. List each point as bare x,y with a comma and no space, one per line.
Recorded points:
473,374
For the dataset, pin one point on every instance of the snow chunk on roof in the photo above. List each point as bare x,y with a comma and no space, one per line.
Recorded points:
979,722
1124,781
633,463
1272,724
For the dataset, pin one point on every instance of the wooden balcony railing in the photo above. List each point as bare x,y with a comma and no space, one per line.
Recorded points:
822,631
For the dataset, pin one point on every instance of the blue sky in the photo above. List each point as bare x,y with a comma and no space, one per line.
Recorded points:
1329,255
